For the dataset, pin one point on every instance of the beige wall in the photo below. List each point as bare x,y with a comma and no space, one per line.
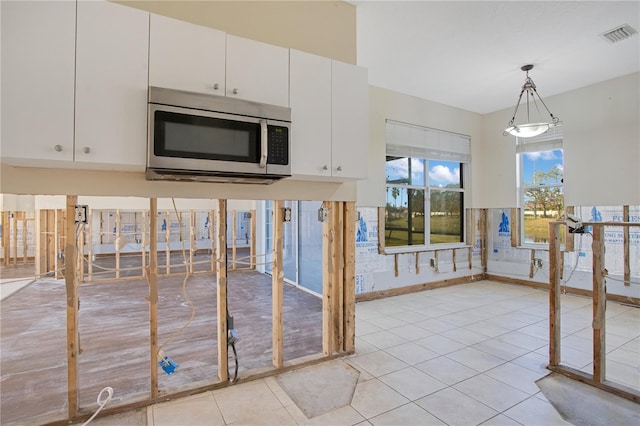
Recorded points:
325,28
386,104
601,125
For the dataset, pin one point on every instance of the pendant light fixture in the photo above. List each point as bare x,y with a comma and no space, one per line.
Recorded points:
529,129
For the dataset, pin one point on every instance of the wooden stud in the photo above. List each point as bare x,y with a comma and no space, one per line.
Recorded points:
52,242
599,304
515,229
167,236
395,265
118,244
233,240
381,229
80,255
60,236
72,309
25,246
531,260
6,237
212,215
484,234
625,234
277,296
453,256
569,239
328,304
143,241
221,284
152,277
417,262
192,238
90,248
338,274
38,256
14,234
470,257
554,294
349,242
252,249
473,227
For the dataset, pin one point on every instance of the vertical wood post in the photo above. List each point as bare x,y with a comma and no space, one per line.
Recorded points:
90,248
212,215
599,304
25,246
143,240
6,237
277,296
252,250
569,238
152,275
484,234
338,274
80,255
39,258
555,275
531,267
328,332
625,234
61,239
453,257
221,284
14,244
71,285
118,243
515,229
382,211
52,242
167,237
192,238
417,263
349,277
233,240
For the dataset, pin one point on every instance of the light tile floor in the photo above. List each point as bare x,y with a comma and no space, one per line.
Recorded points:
463,355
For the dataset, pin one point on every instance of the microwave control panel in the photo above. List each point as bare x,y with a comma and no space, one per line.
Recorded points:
278,138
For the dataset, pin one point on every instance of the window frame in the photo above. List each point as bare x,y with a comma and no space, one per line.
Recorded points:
428,189
550,141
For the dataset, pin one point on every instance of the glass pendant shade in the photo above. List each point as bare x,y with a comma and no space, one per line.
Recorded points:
528,129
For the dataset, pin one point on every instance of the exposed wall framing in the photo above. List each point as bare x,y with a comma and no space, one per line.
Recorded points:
599,296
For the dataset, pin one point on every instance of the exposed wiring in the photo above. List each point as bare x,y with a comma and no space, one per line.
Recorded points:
185,295
101,402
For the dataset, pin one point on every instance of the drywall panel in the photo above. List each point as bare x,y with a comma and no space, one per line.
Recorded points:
386,104
601,146
325,28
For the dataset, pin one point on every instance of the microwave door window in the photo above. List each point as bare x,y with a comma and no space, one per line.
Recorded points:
187,136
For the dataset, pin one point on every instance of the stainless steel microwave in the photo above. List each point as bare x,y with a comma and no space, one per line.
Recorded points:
208,138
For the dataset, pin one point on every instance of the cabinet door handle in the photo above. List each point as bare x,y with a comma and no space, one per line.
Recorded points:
86,150
216,86
339,168
58,148
235,91
325,167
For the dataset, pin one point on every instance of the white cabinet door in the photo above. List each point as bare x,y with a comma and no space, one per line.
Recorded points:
111,85
38,45
257,71
310,114
350,121
186,56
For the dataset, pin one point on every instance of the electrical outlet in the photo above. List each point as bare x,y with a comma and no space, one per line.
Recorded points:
537,263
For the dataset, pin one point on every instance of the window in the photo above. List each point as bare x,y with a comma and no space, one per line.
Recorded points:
424,176
541,169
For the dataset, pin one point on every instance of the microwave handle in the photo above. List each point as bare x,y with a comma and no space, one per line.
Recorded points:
264,144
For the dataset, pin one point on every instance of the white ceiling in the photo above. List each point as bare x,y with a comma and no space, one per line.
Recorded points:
468,54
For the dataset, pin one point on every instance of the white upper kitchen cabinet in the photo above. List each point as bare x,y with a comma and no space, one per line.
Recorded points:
186,56
257,71
349,121
310,88
111,85
38,45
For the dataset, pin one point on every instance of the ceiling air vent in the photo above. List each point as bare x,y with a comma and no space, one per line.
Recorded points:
619,33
